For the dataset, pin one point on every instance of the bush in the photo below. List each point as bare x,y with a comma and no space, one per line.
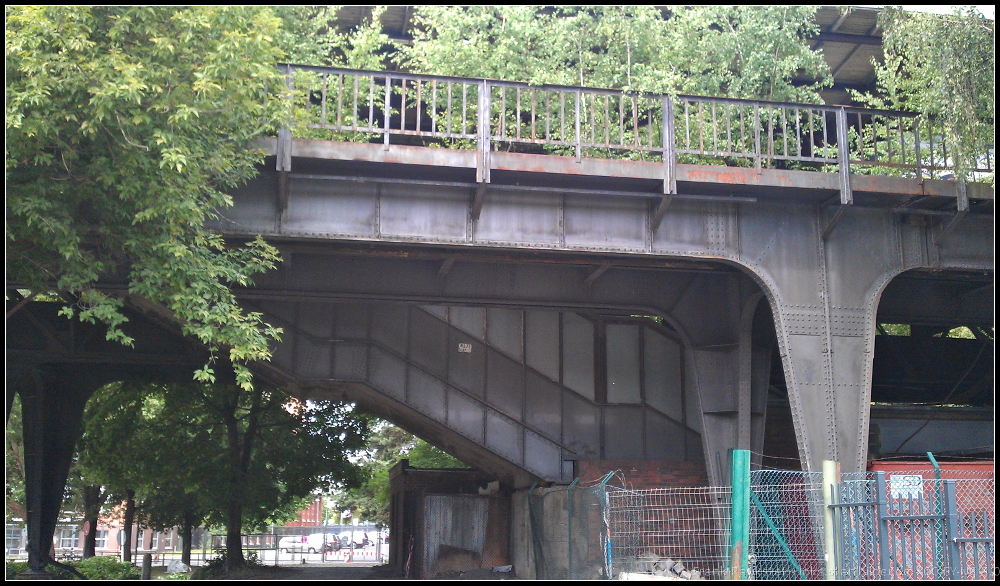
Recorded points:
15,568
96,568
216,567
106,568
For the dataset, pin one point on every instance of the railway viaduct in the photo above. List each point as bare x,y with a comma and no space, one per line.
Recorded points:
531,277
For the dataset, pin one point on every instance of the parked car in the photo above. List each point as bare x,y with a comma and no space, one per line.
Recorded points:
360,538
292,544
314,543
318,542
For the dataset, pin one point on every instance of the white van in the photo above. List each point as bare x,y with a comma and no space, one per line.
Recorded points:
317,543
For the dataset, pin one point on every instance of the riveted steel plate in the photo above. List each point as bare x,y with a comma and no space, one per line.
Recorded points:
860,249
682,230
623,363
623,433
541,457
466,369
426,394
605,223
581,426
465,416
504,384
389,325
423,212
718,378
665,439
428,342
578,355
388,374
542,342
352,321
471,320
779,241
505,331
330,207
848,321
255,212
662,374
520,218
317,319
543,405
504,437
312,360
350,362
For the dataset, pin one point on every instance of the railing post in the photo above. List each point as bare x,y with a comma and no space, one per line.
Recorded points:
916,148
669,164
951,516
387,111
882,524
843,158
739,540
579,152
831,477
483,158
756,134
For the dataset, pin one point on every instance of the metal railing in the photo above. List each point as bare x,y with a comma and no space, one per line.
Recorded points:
487,115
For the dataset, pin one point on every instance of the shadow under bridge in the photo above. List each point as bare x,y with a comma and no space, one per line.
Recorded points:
519,393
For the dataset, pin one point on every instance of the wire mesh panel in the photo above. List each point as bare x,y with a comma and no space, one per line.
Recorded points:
786,525
651,531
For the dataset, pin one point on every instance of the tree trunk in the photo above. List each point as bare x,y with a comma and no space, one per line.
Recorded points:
93,500
240,453
129,519
187,529
234,506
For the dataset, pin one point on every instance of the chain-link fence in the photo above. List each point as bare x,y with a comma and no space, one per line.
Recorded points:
910,525
686,532
786,525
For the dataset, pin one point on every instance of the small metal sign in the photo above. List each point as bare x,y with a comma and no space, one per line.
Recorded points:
905,486
463,347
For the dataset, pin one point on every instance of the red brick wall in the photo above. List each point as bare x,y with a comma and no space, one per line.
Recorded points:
780,448
645,474
311,516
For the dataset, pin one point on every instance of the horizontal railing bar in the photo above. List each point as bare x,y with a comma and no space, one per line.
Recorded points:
601,91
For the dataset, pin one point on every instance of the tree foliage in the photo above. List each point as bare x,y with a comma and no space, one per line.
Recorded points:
217,453
942,66
308,37
125,127
386,446
743,51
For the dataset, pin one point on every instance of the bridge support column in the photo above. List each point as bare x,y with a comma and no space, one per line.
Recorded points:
825,297
52,405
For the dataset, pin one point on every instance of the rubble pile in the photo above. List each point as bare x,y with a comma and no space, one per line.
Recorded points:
650,563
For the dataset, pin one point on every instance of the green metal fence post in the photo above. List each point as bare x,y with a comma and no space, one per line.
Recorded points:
740,537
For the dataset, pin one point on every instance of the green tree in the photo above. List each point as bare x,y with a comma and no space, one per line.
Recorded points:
942,66
218,454
15,511
386,446
742,52
309,36
125,127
